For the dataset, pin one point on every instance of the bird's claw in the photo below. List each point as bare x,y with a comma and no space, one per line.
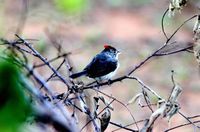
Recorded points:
109,82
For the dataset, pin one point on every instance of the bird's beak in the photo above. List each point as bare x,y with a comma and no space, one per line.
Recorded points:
118,51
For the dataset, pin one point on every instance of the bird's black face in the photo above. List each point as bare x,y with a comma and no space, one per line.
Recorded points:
114,51
111,50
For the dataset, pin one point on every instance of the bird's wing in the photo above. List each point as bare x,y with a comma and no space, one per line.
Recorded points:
101,65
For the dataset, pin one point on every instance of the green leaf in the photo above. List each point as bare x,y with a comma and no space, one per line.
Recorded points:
14,106
71,6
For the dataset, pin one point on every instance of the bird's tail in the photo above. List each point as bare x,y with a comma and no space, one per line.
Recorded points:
75,75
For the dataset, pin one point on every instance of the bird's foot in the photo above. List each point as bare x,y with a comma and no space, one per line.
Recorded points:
98,84
109,82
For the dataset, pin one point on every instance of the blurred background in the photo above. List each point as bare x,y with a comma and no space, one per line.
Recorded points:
134,26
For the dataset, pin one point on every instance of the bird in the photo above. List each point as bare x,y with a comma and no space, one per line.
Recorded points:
103,66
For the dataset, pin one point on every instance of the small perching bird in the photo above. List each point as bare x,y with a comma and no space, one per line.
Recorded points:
103,66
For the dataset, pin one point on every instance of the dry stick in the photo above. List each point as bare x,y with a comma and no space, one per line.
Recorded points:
114,99
36,92
24,50
128,125
145,86
53,73
166,43
44,60
191,117
16,45
180,126
180,27
107,106
173,52
21,51
97,114
147,100
57,123
76,107
48,90
151,125
140,82
174,85
38,55
165,108
141,105
149,57
68,65
146,97
51,60
162,23
70,71
188,120
122,127
41,81
105,83
101,112
119,103
88,112
69,68
57,45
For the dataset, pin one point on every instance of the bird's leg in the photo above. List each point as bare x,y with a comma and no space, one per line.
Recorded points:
97,85
109,82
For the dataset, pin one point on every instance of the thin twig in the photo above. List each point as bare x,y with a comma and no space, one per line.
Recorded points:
180,126
128,125
98,114
44,61
51,60
188,120
122,127
162,23
124,105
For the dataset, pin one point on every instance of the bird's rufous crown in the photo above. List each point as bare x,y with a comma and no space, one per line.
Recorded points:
106,46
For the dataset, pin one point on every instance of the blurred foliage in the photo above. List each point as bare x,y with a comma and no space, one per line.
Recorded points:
182,73
14,107
41,47
71,6
115,3
93,36
2,27
127,3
